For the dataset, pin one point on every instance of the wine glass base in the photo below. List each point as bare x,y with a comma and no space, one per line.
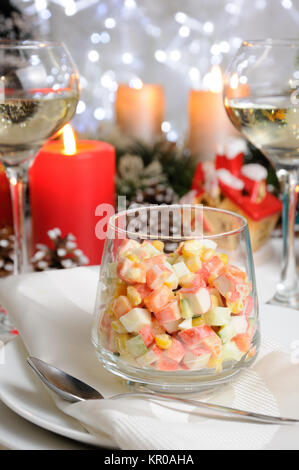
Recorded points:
290,302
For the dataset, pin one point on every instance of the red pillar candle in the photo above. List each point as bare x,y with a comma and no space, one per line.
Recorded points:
5,201
65,189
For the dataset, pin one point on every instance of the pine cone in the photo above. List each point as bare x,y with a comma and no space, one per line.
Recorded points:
156,194
65,254
6,251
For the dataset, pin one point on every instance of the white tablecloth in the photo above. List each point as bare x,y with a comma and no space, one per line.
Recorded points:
267,262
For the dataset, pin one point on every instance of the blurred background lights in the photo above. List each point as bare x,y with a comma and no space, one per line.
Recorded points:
130,4
45,14
127,58
83,82
155,41
215,49
166,126
195,46
160,56
93,56
105,37
260,4
243,79
224,47
99,114
233,8
180,17
208,27
175,55
195,76
110,23
286,4
184,31
172,136
81,107
136,83
70,8
95,38
41,4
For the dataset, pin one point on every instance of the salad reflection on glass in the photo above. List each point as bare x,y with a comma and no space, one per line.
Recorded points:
268,115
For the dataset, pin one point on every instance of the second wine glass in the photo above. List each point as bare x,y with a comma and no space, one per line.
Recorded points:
39,90
262,100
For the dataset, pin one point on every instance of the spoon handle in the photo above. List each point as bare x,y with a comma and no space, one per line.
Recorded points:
222,410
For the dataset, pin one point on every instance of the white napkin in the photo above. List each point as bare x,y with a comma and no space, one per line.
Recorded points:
53,312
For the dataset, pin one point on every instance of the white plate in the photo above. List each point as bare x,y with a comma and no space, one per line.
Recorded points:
17,433
23,392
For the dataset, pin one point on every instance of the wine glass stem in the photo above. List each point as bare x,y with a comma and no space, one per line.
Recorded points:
288,286
17,189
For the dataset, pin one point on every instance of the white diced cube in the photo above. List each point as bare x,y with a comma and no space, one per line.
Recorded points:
223,284
209,244
239,324
172,326
135,319
149,249
180,269
200,301
172,280
195,362
230,352
186,324
147,359
217,316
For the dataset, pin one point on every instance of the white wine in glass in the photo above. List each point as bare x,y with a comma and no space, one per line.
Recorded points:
27,121
39,91
271,124
262,100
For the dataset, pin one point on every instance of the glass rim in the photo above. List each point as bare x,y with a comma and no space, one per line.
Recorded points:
270,42
111,222
28,44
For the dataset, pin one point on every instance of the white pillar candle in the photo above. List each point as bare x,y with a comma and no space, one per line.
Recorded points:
140,112
209,124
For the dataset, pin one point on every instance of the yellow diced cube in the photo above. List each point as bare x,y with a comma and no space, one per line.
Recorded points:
109,309
117,326
236,307
207,255
215,301
212,278
133,296
224,258
192,248
121,289
121,343
199,321
158,245
133,257
194,263
163,341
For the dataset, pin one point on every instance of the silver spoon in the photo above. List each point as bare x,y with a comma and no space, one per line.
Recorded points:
74,390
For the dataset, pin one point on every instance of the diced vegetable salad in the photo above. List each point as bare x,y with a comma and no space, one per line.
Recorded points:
187,310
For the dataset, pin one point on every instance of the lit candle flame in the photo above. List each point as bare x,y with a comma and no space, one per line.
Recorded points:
69,140
213,80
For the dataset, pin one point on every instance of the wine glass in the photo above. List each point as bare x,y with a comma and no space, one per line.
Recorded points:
176,308
39,89
261,97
